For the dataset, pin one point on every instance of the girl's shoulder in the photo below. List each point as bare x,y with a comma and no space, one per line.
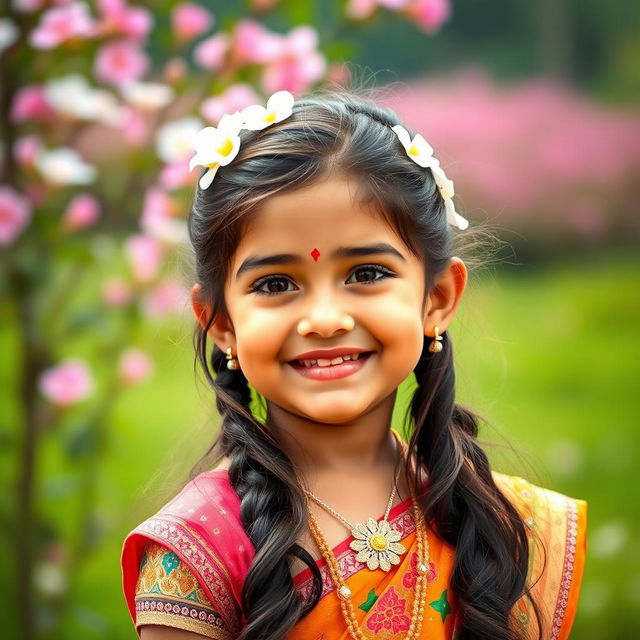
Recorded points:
201,525
556,527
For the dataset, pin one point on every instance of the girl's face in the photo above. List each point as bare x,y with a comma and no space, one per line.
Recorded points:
317,271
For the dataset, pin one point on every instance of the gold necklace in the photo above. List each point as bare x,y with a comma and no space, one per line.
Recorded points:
376,543
344,593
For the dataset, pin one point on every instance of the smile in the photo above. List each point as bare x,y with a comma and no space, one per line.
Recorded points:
325,369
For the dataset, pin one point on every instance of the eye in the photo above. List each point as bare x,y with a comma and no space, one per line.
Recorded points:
272,286
369,273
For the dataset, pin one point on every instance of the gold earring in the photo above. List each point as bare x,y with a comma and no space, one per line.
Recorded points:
232,361
436,345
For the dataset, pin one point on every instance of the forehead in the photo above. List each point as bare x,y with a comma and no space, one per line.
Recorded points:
326,214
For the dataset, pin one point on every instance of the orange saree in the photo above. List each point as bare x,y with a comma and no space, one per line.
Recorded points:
184,568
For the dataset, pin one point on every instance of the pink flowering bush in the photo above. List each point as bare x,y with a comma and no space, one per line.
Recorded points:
536,156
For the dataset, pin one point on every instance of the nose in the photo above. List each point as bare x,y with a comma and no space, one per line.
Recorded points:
325,317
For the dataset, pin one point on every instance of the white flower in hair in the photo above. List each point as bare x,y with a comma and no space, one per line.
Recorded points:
217,146
279,107
421,152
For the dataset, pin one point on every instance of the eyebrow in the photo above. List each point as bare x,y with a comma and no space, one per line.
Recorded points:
382,248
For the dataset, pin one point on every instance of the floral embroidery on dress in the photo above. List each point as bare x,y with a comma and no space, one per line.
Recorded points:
389,613
409,578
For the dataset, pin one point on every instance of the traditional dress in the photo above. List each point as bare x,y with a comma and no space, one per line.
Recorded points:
184,567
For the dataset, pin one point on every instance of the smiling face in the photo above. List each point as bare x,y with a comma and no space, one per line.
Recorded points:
315,270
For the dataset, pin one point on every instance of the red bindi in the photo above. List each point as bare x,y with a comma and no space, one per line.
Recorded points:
315,254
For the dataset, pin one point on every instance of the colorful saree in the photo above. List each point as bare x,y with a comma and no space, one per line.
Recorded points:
184,567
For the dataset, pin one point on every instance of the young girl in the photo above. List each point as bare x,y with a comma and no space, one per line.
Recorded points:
323,236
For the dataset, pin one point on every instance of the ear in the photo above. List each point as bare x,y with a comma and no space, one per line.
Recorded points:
443,300
221,330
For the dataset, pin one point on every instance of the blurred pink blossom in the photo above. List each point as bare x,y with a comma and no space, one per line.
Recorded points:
26,150
15,213
210,53
527,151
120,61
360,9
135,126
190,20
235,98
429,14
66,383
82,211
297,66
29,103
167,297
158,207
121,19
254,44
135,366
175,70
175,175
116,292
59,24
145,256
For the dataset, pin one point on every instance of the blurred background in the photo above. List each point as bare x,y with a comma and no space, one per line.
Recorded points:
532,109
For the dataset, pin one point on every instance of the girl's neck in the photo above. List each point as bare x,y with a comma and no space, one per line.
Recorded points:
358,447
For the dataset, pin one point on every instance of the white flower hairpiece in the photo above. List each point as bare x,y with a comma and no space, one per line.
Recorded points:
421,152
217,146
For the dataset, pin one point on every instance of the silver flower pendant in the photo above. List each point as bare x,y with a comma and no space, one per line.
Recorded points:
377,544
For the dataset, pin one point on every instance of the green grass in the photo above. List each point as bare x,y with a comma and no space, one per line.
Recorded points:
549,357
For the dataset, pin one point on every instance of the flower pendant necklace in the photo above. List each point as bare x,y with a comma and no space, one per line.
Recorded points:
376,543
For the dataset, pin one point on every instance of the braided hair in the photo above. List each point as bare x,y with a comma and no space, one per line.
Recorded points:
463,505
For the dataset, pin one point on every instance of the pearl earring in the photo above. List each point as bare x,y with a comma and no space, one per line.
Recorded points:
232,361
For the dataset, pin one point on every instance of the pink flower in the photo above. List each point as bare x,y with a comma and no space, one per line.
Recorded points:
210,53
118,18
167,297
299,64
120,62
145,256
26,149
360,9
134,366
389,613
263,5
135,126
190,20
15,213
116,292
59,24
429,14
158,208
253,44
176,174
82,211
67,383
235,98
29,103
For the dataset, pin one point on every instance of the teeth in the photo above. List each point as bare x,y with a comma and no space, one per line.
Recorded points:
325,362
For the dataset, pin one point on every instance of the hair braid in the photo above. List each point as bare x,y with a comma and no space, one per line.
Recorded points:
272,510
465,506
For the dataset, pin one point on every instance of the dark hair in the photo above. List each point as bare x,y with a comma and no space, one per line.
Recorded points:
463,505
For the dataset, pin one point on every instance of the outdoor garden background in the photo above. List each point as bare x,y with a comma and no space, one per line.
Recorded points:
532,108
